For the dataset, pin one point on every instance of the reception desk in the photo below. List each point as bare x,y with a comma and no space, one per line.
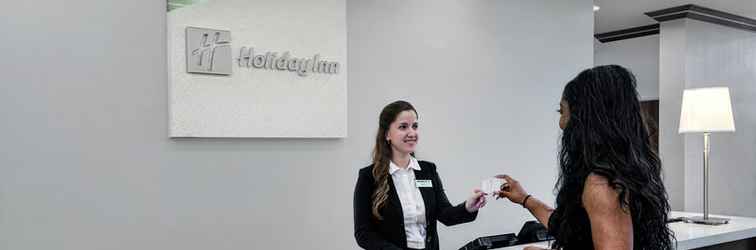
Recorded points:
740,233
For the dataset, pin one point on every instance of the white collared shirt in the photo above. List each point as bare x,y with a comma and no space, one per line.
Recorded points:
413,206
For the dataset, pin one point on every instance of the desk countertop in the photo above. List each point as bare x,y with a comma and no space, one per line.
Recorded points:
691,235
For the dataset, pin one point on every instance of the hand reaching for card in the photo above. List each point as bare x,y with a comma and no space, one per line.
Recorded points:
511,190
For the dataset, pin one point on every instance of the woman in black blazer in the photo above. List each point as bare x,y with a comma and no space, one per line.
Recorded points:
398,199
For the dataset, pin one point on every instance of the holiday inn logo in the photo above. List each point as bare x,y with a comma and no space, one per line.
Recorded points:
208,51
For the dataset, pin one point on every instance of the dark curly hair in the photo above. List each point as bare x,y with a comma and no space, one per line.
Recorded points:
606,135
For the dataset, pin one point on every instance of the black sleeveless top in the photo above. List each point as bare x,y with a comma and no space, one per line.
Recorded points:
577,225
569,223
571,226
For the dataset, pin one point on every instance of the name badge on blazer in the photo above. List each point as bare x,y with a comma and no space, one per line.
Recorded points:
423,183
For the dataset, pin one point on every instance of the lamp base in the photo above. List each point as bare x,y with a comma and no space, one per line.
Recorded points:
707,221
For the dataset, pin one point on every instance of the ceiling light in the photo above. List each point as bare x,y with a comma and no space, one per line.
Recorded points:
596,8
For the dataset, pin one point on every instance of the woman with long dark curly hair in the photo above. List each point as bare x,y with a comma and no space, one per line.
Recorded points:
398,199
610,193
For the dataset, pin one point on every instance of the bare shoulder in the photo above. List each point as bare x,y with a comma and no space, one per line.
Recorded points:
598,193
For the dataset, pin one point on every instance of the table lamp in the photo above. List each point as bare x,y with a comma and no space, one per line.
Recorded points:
706,110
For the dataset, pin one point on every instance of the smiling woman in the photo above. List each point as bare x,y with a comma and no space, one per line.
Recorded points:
398,199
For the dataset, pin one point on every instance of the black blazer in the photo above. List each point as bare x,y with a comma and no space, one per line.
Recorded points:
389,233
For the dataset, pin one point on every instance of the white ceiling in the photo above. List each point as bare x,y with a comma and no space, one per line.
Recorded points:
623,14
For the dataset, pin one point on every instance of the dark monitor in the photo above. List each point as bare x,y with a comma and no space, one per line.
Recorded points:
491,242
531,231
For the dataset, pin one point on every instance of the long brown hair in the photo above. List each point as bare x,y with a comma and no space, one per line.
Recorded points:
382,154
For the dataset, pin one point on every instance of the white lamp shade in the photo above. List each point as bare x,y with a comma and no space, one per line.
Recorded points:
706,110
